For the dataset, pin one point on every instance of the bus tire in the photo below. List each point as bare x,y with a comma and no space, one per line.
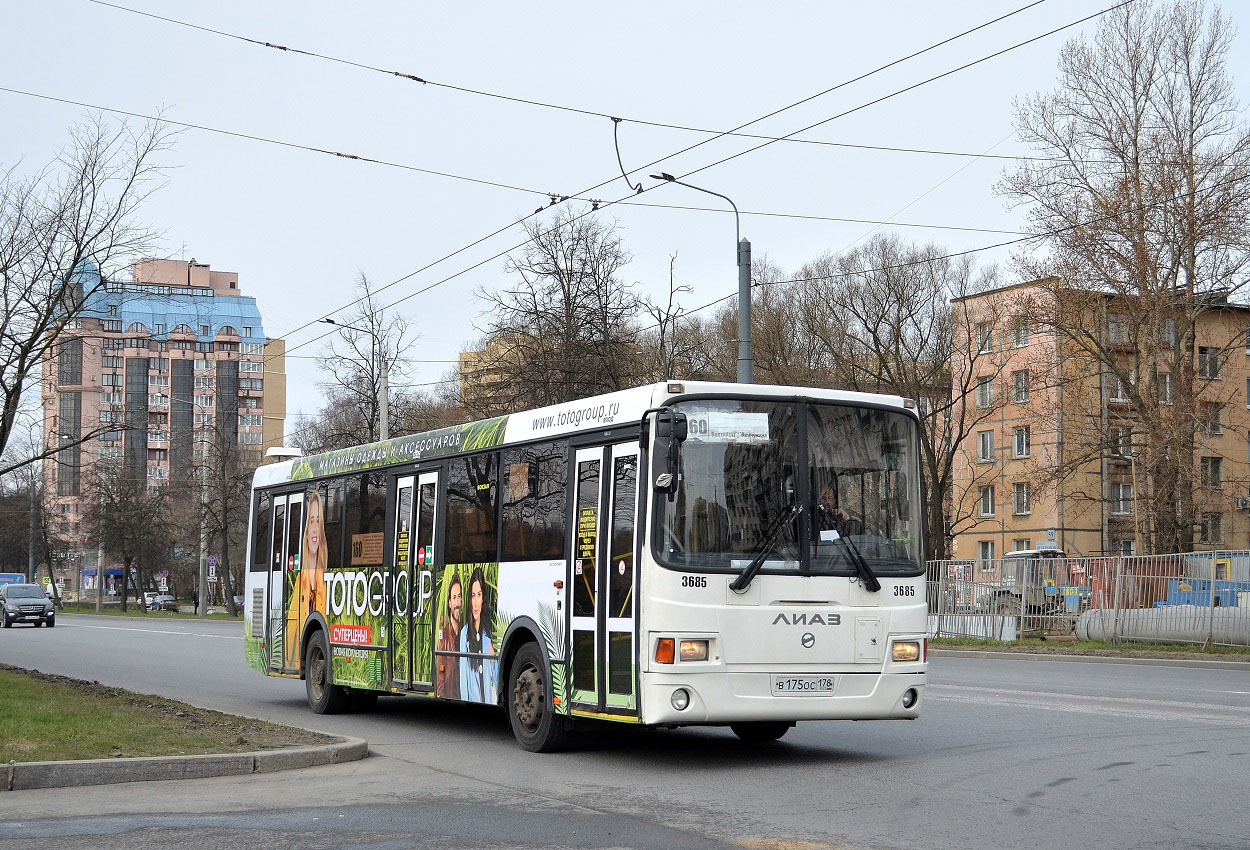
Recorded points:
760,731
534,721
324,697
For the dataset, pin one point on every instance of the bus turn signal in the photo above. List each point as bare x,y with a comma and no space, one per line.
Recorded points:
664,651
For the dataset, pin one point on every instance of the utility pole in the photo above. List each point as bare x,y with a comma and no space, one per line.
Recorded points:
30,555
746,365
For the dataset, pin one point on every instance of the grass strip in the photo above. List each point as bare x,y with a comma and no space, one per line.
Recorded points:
53,718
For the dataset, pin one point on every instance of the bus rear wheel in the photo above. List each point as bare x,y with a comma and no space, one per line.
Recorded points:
760,731
534,721
324,697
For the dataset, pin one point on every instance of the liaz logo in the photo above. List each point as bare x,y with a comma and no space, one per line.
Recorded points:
827,619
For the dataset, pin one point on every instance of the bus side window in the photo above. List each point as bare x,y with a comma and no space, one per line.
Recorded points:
533,502
472,524
260,534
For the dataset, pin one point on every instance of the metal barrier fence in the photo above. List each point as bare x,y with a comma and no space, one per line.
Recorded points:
1195,597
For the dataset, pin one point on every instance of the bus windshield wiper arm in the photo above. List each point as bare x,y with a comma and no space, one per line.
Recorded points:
743,581
861,566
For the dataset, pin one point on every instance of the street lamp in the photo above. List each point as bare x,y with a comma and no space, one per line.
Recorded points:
1132,465
745,363
384,392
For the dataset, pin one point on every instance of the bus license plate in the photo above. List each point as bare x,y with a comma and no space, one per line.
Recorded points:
804,685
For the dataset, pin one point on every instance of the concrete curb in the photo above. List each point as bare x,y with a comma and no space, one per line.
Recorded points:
23,776
1244,666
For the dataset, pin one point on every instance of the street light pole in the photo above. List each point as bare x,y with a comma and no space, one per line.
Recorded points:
746,364
378,361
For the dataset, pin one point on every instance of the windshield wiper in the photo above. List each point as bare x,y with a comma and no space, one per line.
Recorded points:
743,581
861,566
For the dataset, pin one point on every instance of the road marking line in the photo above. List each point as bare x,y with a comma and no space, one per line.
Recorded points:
157,631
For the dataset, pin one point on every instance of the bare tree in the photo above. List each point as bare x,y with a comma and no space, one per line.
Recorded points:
567,329
367,354
883,318
667,345
130,519
1142,197
75,214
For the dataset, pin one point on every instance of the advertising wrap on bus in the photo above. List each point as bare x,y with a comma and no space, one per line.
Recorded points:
679,554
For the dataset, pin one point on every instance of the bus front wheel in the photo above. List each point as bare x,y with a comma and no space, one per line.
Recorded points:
534,721
324,697
759,732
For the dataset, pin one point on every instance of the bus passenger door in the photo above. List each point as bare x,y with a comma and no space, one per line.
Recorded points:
421,631
287,527
603,645
400,587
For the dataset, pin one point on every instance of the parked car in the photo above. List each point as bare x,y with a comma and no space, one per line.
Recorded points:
25,603
163,602
148,597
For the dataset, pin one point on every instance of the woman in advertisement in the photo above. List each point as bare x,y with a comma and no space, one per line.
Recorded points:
478,675
447,678
312,571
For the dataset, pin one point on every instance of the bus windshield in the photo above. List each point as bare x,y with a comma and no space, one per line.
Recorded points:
746,465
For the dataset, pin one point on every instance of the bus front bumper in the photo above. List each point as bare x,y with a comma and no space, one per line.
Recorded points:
738,697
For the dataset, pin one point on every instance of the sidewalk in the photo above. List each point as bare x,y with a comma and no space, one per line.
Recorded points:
1209,664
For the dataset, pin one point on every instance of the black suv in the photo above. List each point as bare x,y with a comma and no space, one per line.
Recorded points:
25,603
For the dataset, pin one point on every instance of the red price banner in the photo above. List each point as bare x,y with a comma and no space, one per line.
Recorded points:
353,635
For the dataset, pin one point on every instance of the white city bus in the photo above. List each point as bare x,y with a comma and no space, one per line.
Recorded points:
675,554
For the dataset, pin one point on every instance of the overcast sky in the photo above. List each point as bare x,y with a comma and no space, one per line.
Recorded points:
299,226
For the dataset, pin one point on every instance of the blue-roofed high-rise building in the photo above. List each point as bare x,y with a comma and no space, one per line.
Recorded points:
177,359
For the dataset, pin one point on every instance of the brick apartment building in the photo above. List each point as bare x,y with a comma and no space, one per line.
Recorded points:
1050,405
175,356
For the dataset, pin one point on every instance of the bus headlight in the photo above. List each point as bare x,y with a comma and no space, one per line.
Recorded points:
905,650
693,650
680,699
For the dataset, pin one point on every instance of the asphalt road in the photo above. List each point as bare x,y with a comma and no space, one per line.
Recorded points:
1007,754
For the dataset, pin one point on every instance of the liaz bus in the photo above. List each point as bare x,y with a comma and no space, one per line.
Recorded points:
677,554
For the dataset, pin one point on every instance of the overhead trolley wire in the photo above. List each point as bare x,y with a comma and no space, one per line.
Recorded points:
595,113
688,148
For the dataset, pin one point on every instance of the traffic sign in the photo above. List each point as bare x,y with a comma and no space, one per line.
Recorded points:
212,560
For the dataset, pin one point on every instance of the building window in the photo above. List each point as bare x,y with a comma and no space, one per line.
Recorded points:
985,554
985,503
112,344
112,311
158,329
251,383
109,379
253,348
1122,498
1212,530
1020,386
158,364
1122,442
251,366
1117,329
249,438
1020,333
1208,362
158,472
1213,472
204,347
113,326
252,419
1119,388
203,401
1021,441
204,330
200,365
985,392
1021,544
247,330
158,455
1124,546
1020,498
1212,417
985,446
251,402
111,362
158,380
1164,380
204,382
203,419
158,400
985,337
1167,333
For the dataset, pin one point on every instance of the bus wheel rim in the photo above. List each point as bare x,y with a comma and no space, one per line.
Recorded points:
529,698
